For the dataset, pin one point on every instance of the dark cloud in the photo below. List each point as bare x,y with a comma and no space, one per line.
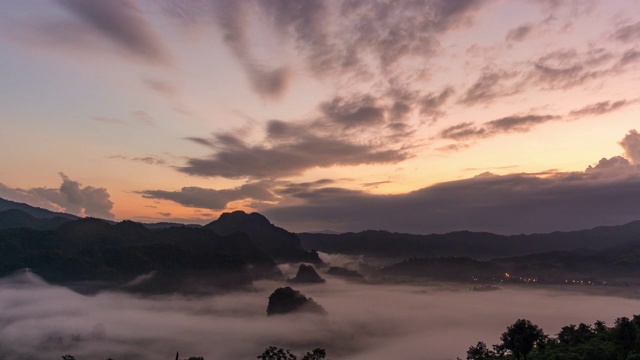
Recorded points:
431,104
233,20
212,199
236,159
201,141
519,33
629,57
515,123
627,33
376,183
614,162
70,197
599,108
567,68
631,145
150,160
165,214
453,147
504,204
463,131
333,39
291,188
359,110
491,84
121,21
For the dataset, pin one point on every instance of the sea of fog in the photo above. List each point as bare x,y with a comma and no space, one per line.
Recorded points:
41,321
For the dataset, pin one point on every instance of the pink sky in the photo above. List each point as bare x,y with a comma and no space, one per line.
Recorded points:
404,115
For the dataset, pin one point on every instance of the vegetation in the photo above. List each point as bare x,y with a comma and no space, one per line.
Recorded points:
275,353
524,340
270,353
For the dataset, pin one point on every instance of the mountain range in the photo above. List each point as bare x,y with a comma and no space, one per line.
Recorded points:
89,254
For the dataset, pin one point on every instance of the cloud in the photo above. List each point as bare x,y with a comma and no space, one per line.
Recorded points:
600,108
614,162
359,110
273,159
491,84
375,184
627,33
150,160
71,197
508,204
567,68
431,104
121,21
466,131
519,33
515,123
342,39
212,199
631,145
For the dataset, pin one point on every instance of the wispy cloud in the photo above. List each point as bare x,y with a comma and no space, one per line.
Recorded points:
213,199
122,23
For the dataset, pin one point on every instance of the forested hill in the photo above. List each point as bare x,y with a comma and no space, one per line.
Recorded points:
467,243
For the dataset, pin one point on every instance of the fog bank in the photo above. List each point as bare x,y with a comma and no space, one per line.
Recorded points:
40,321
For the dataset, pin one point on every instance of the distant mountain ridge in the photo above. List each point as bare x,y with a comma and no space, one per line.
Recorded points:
36,212
279,243
467,243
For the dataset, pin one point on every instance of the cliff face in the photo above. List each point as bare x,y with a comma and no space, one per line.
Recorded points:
307,274
287,300
280,244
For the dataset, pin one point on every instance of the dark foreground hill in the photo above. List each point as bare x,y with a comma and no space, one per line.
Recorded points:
91,254
280,244
36,212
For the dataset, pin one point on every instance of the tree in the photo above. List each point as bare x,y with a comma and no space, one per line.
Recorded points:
480,352
316,354
274,353
521,337
625,336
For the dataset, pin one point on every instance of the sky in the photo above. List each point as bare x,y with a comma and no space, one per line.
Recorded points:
411,116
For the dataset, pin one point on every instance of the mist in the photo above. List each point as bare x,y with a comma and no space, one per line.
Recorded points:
42,321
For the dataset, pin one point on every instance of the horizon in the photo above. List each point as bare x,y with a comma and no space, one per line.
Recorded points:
415,117
328,231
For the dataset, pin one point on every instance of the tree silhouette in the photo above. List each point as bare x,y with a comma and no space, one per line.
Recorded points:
316,354
274,353
480,352
625,336
521,337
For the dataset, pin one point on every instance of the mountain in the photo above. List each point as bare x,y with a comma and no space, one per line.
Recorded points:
467,243
90,254
280,244
620,263
15,218
446,269
36,212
